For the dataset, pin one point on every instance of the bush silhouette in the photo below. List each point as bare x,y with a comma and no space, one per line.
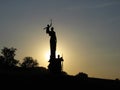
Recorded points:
82,75
29,62
7,58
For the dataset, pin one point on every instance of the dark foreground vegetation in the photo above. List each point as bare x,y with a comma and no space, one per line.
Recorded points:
28,75
40,77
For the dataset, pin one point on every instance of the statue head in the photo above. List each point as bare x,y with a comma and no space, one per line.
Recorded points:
58,56
52,28
47,25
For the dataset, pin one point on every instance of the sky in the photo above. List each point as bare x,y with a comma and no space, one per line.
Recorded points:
88,33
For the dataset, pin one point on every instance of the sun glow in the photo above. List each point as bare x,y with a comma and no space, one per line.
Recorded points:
47,56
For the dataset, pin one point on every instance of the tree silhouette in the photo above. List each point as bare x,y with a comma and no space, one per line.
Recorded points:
82,75
7,58
29,62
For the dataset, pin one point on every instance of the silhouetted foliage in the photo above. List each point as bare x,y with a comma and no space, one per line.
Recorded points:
33,77
82,75
43,69
117,79
29,62
7,58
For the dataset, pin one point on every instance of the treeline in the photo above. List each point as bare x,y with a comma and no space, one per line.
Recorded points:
7,59
28,73
9,63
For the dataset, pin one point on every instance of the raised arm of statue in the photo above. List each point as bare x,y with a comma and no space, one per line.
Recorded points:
48,26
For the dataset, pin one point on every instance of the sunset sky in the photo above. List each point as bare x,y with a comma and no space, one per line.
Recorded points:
88,33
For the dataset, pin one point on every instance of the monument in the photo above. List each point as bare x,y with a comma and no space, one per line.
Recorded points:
55,63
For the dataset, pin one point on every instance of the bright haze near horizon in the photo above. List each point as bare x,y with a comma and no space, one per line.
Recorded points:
88,33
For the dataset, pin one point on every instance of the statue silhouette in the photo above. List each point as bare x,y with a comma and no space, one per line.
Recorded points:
53,40
55,63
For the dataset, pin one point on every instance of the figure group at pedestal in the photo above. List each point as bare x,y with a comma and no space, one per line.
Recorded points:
55,64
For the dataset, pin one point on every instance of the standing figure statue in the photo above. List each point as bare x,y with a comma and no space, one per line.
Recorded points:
55,64
53,40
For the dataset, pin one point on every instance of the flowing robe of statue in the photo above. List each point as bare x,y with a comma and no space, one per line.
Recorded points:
53,41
